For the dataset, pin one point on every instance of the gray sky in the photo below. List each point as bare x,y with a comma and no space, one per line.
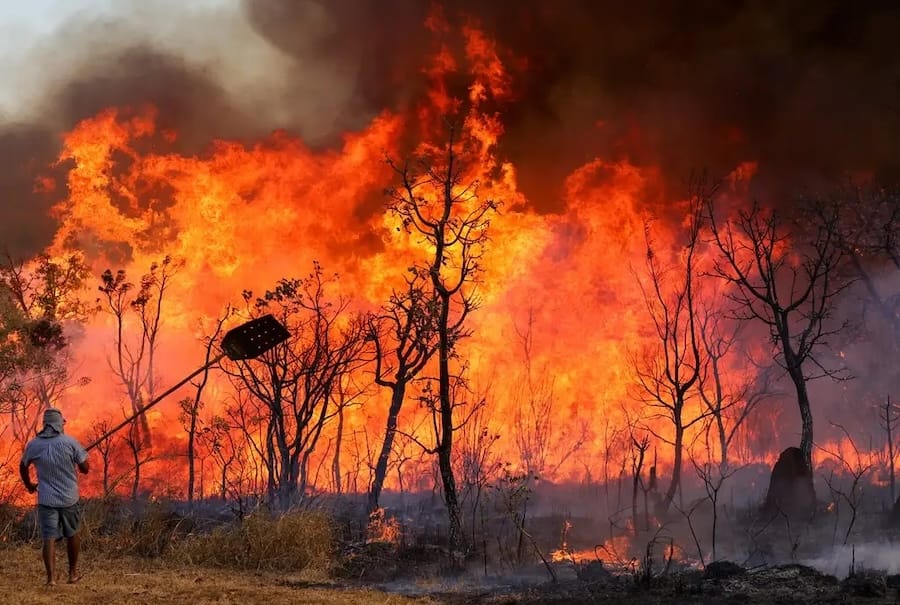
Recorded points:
28,26
40,39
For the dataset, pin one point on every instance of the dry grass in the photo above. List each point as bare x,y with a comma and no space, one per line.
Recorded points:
113,527
292,542
144,581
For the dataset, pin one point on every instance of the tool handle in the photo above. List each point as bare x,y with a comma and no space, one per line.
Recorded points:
162,396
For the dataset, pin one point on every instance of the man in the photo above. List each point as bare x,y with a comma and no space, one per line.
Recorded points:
55,456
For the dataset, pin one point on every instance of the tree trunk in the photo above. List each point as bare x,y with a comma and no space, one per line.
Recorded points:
723,443
676,463
143,424
888,410
135,486
635,483
445,451
336,462
455,535
398,393
794,368
806,419
191,454
106,474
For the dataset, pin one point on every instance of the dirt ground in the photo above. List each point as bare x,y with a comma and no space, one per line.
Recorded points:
146,582
155,581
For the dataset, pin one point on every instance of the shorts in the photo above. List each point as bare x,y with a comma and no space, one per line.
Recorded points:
59,522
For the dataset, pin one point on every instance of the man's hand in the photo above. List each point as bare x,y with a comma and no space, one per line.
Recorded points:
26,478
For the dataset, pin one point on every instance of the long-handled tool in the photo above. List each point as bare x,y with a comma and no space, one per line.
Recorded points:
246,341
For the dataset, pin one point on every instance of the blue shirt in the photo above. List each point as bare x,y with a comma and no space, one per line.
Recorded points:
55,458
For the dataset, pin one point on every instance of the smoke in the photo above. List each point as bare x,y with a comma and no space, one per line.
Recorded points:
23,219
206,69
842,560
809,91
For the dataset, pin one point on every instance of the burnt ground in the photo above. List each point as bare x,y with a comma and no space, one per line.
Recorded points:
785,567
721,583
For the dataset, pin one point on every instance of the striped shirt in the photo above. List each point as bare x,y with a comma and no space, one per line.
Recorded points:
55,458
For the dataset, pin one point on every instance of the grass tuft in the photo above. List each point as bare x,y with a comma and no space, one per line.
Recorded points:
296,541
151,530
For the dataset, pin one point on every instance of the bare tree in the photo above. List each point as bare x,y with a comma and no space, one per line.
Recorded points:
852,495
348,392
868,233
133,361
889,415
615,441
218,438
638,455
285,397
191,406
785,275
543,443
668,374
105,446
478,464
728,402
405,339
713,477
434,201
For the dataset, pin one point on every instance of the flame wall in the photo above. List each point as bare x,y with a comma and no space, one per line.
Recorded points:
588,127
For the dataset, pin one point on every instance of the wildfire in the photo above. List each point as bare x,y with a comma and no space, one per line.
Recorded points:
624,551
558,294
382,528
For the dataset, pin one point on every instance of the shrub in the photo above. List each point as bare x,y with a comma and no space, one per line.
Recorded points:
16,524
142,529
296,541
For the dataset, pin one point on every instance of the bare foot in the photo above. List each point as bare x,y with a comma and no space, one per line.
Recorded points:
51,583
74,578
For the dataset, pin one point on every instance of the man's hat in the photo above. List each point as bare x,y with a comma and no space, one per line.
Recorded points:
54,419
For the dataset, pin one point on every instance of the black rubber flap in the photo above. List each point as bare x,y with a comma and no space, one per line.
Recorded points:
253,338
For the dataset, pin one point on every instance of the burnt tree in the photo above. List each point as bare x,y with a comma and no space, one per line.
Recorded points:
544,444
404,334
729,403
784,274
668,374
347,393
436,200
100,435
888,416
869,235
286,396
133,361
191,406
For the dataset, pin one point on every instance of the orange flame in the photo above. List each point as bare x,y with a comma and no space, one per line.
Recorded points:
242,216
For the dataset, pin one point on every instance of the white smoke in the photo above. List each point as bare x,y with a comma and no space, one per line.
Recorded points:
876,556
53,41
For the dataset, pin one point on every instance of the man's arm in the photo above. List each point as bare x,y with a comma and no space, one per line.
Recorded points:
26,477
81,458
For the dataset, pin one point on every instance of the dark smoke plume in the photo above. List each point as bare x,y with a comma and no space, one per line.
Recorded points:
809,90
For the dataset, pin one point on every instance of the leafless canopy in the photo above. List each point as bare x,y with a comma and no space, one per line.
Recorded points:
786,274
